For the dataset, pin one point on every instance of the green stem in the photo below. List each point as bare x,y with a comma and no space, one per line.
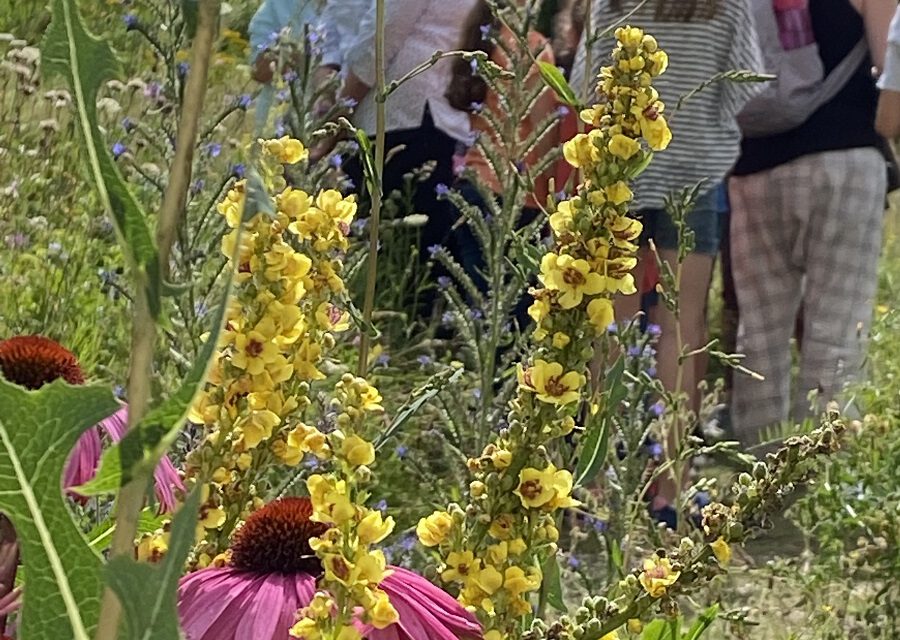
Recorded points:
375,189
131,496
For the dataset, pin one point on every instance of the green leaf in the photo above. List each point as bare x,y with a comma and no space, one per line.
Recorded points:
148,592
108,477
373,181
38,430
100,536
595,444
656,630
552,584
703,623
554,79
434,386
86,61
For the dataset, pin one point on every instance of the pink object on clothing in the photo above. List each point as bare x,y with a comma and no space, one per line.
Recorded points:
226,603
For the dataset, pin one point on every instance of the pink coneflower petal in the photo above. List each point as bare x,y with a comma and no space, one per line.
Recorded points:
270,578
82,464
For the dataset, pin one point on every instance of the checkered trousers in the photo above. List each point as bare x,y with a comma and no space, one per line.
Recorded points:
805,233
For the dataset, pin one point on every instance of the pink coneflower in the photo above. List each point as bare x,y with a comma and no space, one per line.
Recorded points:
271,575
32,362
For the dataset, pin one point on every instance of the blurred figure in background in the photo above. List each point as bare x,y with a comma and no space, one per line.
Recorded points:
807,209
705,38
887,120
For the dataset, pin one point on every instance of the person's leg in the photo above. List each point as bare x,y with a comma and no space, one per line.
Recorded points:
768,213
689,330
843,245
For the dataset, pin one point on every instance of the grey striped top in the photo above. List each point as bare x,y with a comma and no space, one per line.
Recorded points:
705,137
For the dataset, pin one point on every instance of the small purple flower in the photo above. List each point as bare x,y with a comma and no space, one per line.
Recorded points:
289,76
408,542
473,64
280,129
213,149
476,107
383,360
433,249
401,451
183,68
573,562
634,351
655,450
118,149
119,391
130,20
475,314
520,167
238,171
128,124
485,31
658,408
441,189
197,186
424,360
651,371
201,309
359,225
353,146
476,393
612,328
654,330
381,505
562,111
336,161
152,90
348,103
561,195
447,318
444,281
17,240
244,101
599,525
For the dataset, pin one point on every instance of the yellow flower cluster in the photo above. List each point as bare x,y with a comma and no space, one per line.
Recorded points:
280,323
492,549
352,570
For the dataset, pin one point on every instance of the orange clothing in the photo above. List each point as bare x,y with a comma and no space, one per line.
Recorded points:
544,106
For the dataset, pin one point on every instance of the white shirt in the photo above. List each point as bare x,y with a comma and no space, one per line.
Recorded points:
890,76
414,30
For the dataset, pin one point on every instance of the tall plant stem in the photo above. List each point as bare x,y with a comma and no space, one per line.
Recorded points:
375,188
143,339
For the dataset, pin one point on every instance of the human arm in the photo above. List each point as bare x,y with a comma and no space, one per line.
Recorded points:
877,16
887,120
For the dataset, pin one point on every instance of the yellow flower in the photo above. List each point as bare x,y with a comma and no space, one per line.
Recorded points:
551,385
434,529
601,313
286,150
517,547
460,564
357,451
294,202
256,349
623,147
721,550
337,207
257,426
348,632
560,340
493,634
331,504
548,488
488,580
382,613
630,37
517,582
581,151
659,61
539,310
309,440
374,528
656,132
570,276
618,193
370,398
501,458
562,219
331,318
634,625
497,553
501,527
307,629
657,576
306,358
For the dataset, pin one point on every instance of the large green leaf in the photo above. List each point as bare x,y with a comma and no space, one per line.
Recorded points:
594,444
149,593
38,430
554,79
86,61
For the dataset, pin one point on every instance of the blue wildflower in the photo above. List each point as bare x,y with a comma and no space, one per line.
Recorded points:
401,451
441,189
118,149
238,171
131,21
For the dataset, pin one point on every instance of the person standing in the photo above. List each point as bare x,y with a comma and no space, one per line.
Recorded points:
887,119
806,226
702,39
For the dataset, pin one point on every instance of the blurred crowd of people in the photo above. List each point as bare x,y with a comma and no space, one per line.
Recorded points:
793,187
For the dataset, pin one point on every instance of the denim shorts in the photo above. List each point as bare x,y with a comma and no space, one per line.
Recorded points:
705,220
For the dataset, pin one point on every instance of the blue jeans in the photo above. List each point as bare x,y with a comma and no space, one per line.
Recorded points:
704,220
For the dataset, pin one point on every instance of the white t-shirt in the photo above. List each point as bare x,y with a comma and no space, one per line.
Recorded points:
890,77
414,30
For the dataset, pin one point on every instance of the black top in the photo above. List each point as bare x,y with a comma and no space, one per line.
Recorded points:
847,121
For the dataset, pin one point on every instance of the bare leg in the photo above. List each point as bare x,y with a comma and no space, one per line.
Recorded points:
696,273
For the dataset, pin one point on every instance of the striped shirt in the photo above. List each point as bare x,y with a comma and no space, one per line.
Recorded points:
705,136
